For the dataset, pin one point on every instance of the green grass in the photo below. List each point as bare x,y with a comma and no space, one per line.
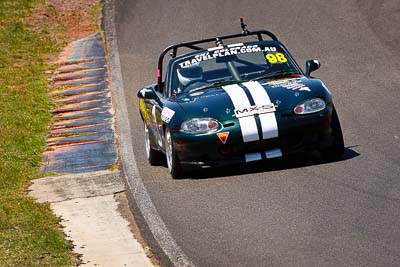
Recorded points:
95,15
29,233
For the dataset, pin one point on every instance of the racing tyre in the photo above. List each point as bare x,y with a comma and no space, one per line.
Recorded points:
173,163
153,156
336,150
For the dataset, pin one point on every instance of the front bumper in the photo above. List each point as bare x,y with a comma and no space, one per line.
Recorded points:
296,134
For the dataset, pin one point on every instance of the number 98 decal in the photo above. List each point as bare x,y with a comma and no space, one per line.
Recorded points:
278,57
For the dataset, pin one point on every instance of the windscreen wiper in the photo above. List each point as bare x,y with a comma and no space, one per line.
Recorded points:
216,84
282,73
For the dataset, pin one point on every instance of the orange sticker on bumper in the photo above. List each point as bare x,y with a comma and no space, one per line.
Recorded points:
223,136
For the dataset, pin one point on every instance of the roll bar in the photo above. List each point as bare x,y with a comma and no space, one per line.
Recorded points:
218,40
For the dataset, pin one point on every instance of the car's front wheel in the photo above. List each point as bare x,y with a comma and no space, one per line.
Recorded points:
173,163
336,150
153,156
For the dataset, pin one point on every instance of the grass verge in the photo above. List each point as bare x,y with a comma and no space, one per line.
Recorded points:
30,234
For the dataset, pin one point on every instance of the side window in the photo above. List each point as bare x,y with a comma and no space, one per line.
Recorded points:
169,77
163,90
174,81
160,91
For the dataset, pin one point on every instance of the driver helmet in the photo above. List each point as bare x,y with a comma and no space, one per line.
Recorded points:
190,73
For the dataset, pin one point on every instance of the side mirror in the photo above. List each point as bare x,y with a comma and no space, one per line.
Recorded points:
312,65
147,93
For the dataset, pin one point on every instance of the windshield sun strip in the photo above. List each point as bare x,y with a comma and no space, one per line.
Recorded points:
280,47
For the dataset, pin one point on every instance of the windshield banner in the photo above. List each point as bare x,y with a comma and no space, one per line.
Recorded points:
235,49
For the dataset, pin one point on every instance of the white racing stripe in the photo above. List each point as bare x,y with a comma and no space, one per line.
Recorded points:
273,153
253,156
248,125
268,120
269,154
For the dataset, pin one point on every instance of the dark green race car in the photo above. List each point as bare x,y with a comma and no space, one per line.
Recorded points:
236,103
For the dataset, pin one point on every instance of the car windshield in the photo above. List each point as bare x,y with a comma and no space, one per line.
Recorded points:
220,66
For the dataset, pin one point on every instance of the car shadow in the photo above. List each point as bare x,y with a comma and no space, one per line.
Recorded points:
289,162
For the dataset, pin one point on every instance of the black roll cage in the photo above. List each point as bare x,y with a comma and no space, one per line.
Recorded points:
218,40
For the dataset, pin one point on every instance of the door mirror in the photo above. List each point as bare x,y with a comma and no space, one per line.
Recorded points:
147,93
312,65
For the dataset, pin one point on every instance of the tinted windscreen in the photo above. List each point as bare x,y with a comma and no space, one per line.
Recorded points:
239,62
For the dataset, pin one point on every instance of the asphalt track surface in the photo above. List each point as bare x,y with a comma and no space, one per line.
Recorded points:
298,211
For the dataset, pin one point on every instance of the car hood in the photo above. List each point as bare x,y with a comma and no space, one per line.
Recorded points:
285,94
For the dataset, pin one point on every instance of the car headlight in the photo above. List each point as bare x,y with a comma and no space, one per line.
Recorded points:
310,106
200,125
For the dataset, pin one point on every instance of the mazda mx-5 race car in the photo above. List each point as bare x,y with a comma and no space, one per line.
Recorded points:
236,103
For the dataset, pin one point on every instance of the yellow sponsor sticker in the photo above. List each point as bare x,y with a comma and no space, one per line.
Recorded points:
275,58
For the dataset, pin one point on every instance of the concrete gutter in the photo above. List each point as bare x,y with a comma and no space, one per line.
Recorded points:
92,217
158,236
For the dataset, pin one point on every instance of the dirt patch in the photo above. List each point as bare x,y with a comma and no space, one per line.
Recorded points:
66,21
